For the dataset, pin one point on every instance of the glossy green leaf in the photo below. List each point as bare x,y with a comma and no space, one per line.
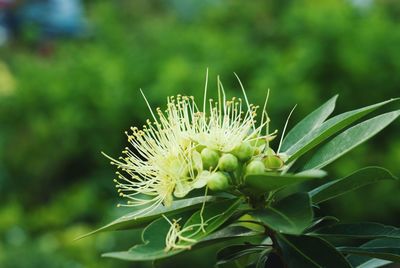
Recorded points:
290,215
213,215
349,139
229,232
359,230
368,262
322,222
308,251
155,234
233,252
309,123
153,237
354,181
383,248
139,219
272,181
329,128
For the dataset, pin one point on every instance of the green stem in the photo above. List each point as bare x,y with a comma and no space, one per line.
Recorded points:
275,245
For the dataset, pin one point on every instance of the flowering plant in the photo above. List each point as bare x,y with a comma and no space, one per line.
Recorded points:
198,175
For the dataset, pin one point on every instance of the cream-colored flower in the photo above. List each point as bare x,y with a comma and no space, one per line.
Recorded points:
165,160
227,126
161,164
224,125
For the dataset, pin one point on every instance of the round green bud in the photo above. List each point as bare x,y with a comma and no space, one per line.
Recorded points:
228,163
218,181
244,151
210,158
255,167
273,162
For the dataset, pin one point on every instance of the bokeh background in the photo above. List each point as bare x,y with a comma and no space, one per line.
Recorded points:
70,73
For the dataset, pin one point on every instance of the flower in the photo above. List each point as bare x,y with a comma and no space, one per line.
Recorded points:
157,166
176,235
166,159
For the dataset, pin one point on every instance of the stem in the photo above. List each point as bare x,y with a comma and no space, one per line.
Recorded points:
275,245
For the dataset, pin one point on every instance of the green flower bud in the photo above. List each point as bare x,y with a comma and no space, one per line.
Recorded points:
210,158
228,163
273,162
218,181
244,151
255,167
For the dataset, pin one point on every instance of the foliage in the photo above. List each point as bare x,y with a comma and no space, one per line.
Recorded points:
286,230
58,112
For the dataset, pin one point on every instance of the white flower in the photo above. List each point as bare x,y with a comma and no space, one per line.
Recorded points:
228,124
159,165
165,159
226,127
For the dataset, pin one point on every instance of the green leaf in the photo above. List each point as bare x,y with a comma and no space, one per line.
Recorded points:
213,215
155,234
322,222
272,181
233,252
329,128
153,237
366,262
290,215
349,139
309,123
308,251
229,232
359,230
354,181
138,219
383,248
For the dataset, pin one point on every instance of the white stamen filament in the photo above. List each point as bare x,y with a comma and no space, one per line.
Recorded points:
160,163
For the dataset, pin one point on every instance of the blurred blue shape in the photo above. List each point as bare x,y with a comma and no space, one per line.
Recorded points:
56,18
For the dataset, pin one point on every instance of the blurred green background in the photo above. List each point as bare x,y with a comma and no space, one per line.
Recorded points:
59,109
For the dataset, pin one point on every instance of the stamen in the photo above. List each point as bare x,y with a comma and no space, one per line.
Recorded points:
148,105
284,129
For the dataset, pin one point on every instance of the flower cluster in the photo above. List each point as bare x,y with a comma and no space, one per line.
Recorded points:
185,148
194,153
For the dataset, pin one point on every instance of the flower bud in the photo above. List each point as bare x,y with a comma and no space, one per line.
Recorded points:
255,167
244,151
273,162
218,181
210,158
228,163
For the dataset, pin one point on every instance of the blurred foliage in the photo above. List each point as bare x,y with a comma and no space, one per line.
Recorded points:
58,112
